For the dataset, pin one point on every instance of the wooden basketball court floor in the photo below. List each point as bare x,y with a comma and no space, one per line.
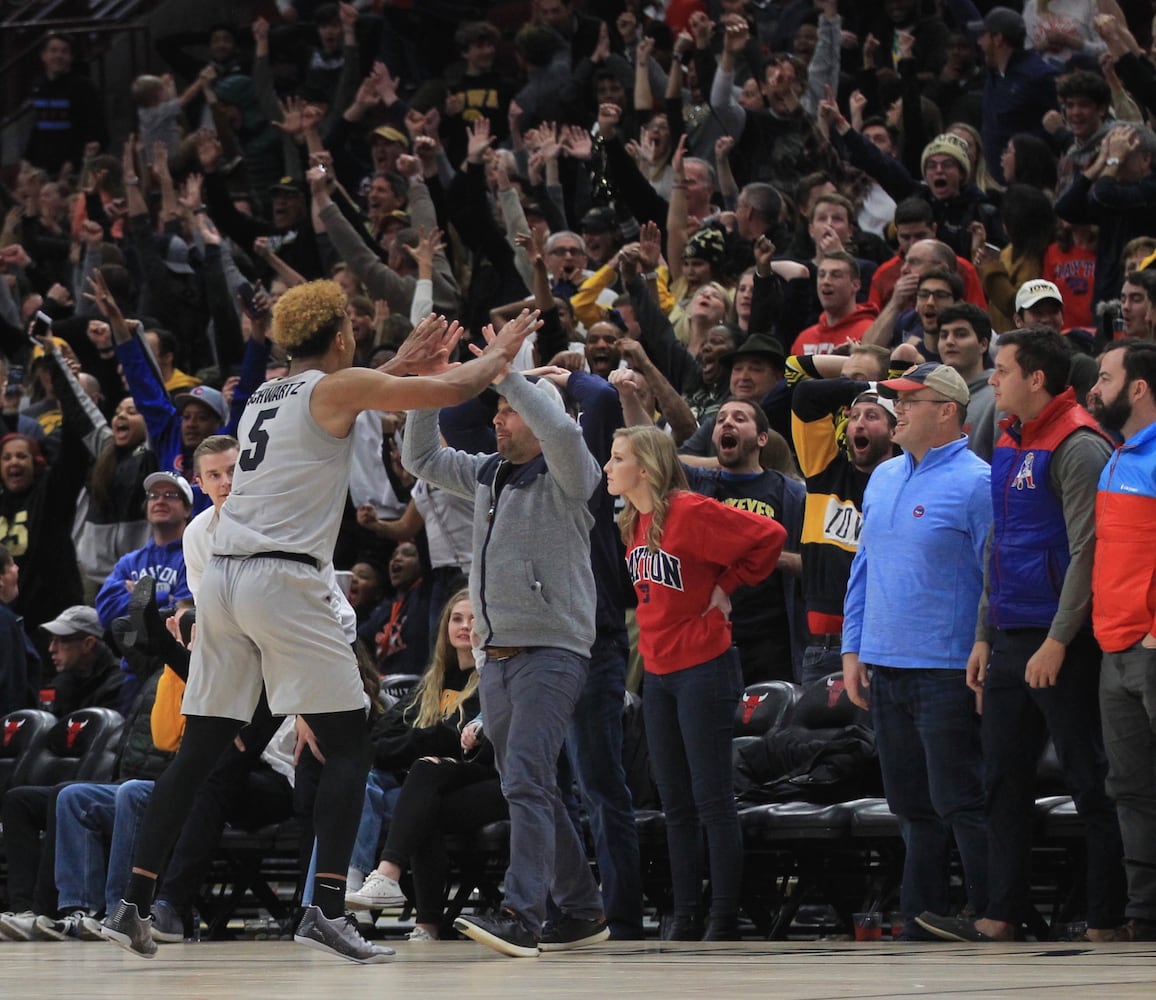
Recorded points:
462,970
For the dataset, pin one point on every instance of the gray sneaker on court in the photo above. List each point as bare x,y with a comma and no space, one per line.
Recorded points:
339,936
127,928
168,926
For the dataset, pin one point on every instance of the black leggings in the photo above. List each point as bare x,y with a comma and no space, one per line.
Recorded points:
344,743
240,790
436,799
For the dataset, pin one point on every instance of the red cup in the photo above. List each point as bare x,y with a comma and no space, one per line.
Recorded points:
868,926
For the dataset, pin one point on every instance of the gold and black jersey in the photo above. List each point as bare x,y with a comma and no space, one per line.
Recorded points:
833,513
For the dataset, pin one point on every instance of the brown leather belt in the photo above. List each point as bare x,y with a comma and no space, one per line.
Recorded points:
504,652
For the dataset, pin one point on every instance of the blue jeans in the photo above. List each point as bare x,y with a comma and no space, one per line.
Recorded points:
90,817
927,736
527,701
689,724
381,792
595,748
821,661
1016,722
1128,708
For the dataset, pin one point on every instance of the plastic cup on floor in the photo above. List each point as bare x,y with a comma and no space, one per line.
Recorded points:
868,926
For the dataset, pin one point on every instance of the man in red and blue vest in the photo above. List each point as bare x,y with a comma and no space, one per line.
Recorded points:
1035,662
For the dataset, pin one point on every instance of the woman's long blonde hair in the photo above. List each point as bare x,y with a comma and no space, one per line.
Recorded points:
655,453
980,176
427,696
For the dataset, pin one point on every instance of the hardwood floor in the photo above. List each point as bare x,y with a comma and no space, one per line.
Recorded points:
467,971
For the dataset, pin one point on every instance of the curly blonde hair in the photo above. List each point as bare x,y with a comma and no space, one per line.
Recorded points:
307,316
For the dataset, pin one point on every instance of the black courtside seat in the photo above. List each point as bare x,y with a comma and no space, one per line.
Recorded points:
20,733
80,747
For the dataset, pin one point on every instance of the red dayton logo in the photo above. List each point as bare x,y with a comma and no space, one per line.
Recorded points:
75,728
751,702
11,728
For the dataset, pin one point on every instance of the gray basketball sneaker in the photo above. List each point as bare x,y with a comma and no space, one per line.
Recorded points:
339,936
127,928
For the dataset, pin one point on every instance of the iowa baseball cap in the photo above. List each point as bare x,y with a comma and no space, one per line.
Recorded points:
931,375
1036,290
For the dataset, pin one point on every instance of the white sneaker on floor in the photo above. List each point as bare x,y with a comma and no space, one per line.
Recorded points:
376,893
18,926
79,925
420,935
89,929
354,879
67,928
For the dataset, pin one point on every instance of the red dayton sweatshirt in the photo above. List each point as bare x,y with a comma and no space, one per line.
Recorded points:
703,543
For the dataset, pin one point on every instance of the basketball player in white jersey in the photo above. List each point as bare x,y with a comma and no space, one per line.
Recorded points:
264,610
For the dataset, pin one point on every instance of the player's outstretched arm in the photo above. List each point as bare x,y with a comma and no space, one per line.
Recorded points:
339,397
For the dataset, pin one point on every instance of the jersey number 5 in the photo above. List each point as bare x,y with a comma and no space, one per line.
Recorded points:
252,457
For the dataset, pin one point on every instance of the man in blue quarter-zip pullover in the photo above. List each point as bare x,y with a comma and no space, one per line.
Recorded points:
925,521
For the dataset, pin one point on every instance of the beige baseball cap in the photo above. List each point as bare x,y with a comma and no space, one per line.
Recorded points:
931,375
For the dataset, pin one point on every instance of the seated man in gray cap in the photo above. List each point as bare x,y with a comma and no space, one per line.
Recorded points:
87,673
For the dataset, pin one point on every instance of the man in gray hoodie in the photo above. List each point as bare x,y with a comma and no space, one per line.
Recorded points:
533,594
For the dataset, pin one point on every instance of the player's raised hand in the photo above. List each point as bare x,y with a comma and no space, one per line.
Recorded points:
511,338
428,348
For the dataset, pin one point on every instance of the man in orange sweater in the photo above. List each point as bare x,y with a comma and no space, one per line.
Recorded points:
1123,599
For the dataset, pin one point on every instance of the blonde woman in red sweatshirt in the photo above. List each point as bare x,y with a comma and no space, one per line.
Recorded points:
686,554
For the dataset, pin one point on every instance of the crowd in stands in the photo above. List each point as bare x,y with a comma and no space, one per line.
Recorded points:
735,218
